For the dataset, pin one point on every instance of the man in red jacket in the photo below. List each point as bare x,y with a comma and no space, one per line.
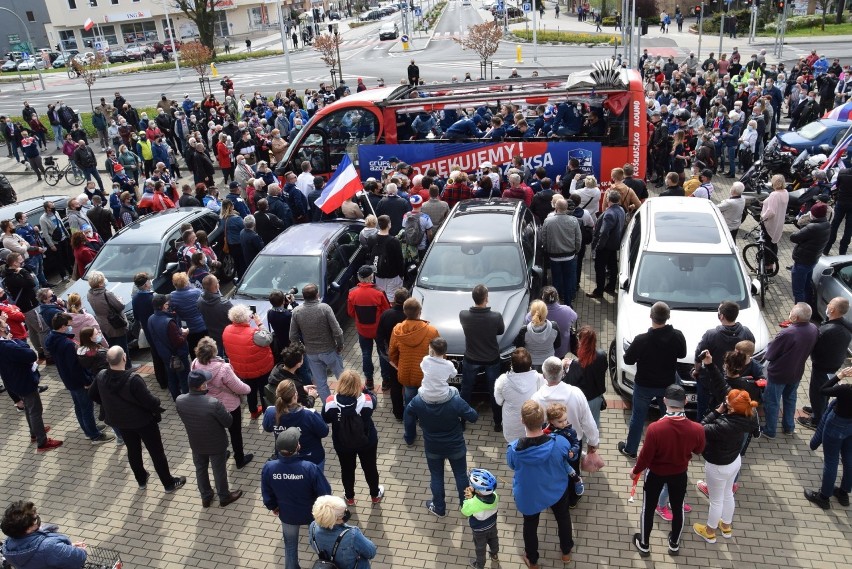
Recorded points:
669,445
366,304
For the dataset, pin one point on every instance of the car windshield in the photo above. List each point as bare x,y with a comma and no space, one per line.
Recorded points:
812,131
121,262
455,266
269,272
689,281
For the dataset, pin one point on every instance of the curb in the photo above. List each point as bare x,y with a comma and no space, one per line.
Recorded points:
397,47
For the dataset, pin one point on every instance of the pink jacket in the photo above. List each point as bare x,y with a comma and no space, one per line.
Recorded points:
224,385
84,320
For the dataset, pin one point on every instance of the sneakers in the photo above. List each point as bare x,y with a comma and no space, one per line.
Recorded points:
144,484
702,487
579,487
528,564
50,444
686,508
495,557
46,430
664,513
674,546
350,501
430,505
177,483
643,548
622,448
807,422
704,531
246,459
785,323
842,497
103,438
475,565
765,434
735,487
808,410
257,412
726,529
378,499
817,498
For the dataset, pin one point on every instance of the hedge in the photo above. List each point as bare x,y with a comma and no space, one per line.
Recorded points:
85,117
711,24
803,22
549,36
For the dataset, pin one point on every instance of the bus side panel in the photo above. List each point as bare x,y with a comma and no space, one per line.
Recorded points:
638,120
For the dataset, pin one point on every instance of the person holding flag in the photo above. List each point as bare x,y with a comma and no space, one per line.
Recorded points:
344,184
843,202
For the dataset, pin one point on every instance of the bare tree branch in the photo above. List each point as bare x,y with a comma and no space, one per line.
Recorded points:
198,56
327,46
88,71
484,39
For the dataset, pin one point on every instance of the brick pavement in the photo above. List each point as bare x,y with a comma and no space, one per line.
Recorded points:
90,492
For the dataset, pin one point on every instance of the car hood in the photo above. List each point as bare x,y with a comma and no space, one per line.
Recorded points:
795,139
634,319
441,308
261,306
122,290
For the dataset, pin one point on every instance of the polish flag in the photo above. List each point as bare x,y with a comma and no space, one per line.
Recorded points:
88,24
343,185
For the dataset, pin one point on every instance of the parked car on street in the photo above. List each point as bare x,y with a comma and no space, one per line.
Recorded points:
818,137
135,51
31,64
10,65
389,31
167,46
679,251
116,55
832,277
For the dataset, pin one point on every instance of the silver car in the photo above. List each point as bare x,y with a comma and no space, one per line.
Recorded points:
832,277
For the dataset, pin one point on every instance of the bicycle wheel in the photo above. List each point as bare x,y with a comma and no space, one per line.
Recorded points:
52,175
74,176
762,279
751,256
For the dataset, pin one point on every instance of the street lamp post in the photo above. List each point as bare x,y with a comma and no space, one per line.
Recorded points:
284,43
337,46
170,32
30,42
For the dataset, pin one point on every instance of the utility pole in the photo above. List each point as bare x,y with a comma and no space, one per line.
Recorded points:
535,28
30,42
172,37
722,28
700,29
284,43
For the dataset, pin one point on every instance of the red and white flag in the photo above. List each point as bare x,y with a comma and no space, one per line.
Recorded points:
343,185
88,24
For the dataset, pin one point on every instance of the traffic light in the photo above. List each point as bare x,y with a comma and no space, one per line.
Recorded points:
780,6
697,11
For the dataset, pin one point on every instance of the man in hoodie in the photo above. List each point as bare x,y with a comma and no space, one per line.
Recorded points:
655,354
366,304
143,308
481,328
409,343
387,322
719,341
315,325
809,242
827,357
133,411
540,463
214,309
60,342
33,544
441,413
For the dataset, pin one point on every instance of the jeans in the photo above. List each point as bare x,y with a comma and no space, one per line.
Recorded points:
367,457
642,399
85,411
836,446
772,397
36,265
732,160
595,407
319,364
57,135
562,513
220,474
150,435
93,173
33,411
841,211
677,492
801,276
481,539
436,474
178,380
366,345
720,487
291,545
492,371
564,275
818,401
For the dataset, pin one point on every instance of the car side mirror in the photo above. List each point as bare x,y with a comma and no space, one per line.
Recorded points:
755,286
170,268
824,149
827,272
335,286
625,284
537,272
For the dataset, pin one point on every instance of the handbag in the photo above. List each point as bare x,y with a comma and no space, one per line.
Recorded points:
325,561
176,363
592,462
115,318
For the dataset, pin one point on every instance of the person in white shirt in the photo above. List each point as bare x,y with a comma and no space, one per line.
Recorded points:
579,413
732,208
305,181
513,389
590,196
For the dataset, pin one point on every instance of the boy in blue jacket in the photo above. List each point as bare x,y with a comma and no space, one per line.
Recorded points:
557,424
32,545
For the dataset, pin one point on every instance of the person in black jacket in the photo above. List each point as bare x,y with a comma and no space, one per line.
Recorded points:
809,241
386,256
387,321
250,241
827,357
607,239
21,285
724,429
842,209
591,373
719,341
655,354
133,411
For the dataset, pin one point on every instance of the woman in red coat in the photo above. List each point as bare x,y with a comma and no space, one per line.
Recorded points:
251,362
83,254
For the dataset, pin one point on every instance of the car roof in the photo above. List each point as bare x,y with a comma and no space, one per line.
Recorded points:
683,225
29,205
156,226
305,238
474,221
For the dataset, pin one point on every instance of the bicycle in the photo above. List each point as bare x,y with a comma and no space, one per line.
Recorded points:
52,173
758,257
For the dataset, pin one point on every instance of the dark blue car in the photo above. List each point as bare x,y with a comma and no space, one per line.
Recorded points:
818,137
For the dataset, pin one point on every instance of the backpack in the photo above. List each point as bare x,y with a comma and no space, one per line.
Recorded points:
380,258
413,230
352,430
324,561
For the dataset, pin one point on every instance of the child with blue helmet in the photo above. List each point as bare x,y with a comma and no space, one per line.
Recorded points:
480,507
557,423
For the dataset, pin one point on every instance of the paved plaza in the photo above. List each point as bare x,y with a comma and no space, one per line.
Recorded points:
90,492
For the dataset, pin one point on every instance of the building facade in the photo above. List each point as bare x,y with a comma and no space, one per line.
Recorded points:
35,15
122,22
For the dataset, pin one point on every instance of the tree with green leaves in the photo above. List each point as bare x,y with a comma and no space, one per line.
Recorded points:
203,15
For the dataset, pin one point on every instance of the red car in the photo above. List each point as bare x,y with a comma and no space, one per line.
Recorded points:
167,46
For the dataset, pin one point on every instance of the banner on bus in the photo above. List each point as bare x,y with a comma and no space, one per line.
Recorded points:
469,156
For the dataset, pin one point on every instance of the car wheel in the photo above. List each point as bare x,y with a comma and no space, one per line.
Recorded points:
612,364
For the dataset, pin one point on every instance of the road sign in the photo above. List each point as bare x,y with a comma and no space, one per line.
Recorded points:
404,39
14,38
25,56
527,7
418,12
101,45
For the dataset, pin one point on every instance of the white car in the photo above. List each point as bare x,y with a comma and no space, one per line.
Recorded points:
679,251
30,64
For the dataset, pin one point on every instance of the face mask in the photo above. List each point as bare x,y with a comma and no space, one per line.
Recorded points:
810,98
98,339
720,115
665,91
69,330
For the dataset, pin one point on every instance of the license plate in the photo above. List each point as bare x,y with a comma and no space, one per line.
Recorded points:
691,397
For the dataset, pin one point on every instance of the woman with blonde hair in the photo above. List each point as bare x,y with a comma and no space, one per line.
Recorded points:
251,360
352,398
330,517
287,412
81,319
590,195
540,337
